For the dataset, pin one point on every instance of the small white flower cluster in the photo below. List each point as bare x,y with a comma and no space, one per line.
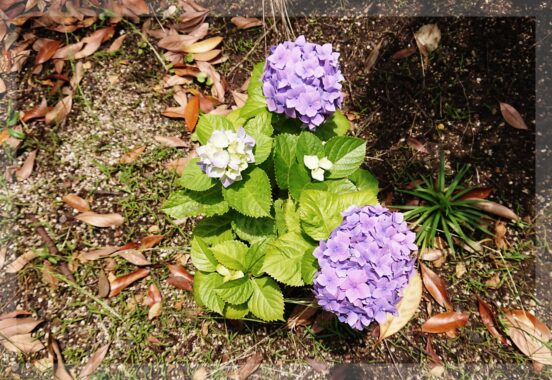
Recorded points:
226,155
317,166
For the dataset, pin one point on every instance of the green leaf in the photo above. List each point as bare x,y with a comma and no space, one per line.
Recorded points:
236,119
364,180
204,291
251,196
235,311
231,254
309,267
291,216
284,257
194,179
346,153
20,135
299,179
252,229
202,257
310,145
284,158
261,129
340,186
262,123
214,230
256,102
337,125
279,216
358,198
255,257
320,213
186,203
267,301
236,292
263,147
208,123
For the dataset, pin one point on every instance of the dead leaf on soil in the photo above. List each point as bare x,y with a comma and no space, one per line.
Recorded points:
60,372
403,53
117,43
18,264
134,256
47,50
103,285
246,22
203,46
373,56
428,36
431,352
239,98
488,318
48,276
37,112
15,333
495,208
3,251
250,366
150,241
178,165
529,334
460,270
97,253
431,254
154,301
500,235
120,283
417,145
2,86
100,220
301,315
436,287
77,76
217,89
94,362
132,155
493,282
479,193
207,56
171,141
174,112
76,202
93,41
512,116
445,322
191,113
26,169
60,111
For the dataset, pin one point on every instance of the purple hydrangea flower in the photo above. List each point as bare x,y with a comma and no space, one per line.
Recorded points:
302,80
364,265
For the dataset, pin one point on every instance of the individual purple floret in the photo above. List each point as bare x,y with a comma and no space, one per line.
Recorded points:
303,81
364,265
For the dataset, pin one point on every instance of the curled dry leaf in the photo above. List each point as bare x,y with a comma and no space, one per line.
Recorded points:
77,76
487,316
171,141
406,308
93,41
174,112
18,264
239,98
436,287
94,362
37,112
120,283
26,169
496,209
529,334
79,204
150,241
134,256
479,193
191,113
180,278
512,116
373,57
445,322
301,315
132,155
117,43
494,282
417,145
60,111
97,254
60,372
100,220
203,46
251,365
47,50
207,56
403,53
246,22
15,333
154,301
428,36
2,86
431,254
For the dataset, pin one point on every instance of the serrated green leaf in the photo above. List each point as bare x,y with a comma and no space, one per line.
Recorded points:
202,257
251,196
236,119
358,198
235,292
291,216
340,186
284,158
337,125
279,216
261,123
231,254
320,213
252,229
284,257
186,203
255,256
256,101
235,311
267,301
208,123
214,230
193,178
310,145
309,267
204,291
364,180
260,129
346,154
299,179
263,147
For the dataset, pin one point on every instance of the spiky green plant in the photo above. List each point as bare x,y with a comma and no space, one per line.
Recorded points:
443,210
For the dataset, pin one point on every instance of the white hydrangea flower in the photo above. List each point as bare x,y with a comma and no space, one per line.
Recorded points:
226,155
317,166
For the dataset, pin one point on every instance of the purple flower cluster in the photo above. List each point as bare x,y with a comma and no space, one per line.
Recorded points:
302,80
364,265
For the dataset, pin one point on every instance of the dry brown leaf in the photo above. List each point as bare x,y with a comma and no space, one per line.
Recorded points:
416,145
18,264
444,322
79,204
94,362
150,241
487,316
246,22
403,53
103,285
217,89
203,46
529,334
239,98
494,282
154,301
22,343
479,193
373,57
431,352
37,112
175,80
69,51
47,51
178,165
500,233
171,141
93,41
97,254
132,155
495,208
301,315
117,43
3,251
460,270
14,314
47,274
100,220
431,254
175,112
250,366
191,113
428,36
512,116
180,283
406,308
436,287
26,169
17,326
60,372
207,56
179,271
134,256
120,283
2,86
177,42
77,76
60,110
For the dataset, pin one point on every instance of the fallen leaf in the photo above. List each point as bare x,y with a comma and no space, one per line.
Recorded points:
150,241
460,270
17,326
403,53
529,334
488,319
14,314
479,193
132,155
26,169
48,276
406,308
97,254
203,46
174,112
317,365
495,208
180,283
512,116
239,98
177,42
500,233
3,251
2,86
93,41
191,113
436,287
120,283
200,374
117,43
178,165
416,145
171,141
373,57
428,36
47,51
443,322
18,264
77,76
431,352
134,256
22,343
37,112
493,282
207,56
76,202
60,111
431,254
301,315
154,300
103,285
250,366
100,220
180,271
94,362
217,89
60,372
246,22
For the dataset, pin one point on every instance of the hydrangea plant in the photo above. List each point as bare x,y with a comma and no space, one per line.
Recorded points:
269,187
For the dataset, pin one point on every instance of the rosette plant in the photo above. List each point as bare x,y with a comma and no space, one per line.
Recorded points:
269,185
